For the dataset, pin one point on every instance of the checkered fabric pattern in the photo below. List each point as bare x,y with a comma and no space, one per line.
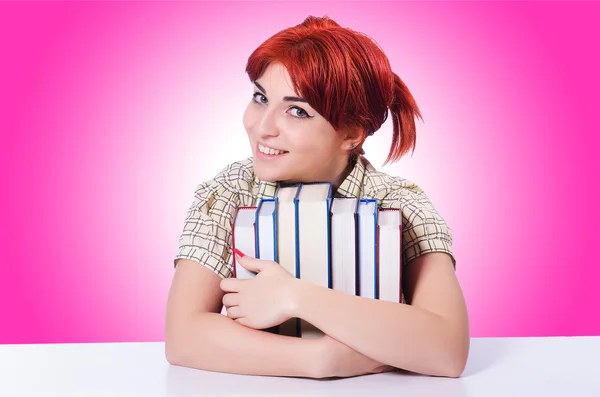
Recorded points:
206,236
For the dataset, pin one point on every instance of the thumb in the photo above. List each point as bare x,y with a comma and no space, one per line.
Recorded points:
248,262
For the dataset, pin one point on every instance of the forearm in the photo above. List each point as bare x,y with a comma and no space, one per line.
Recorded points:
395,334
214,342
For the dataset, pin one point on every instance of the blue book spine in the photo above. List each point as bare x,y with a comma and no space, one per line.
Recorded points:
296,231
275,241
356,251
328,215
297,238
274,226
376,259
256,233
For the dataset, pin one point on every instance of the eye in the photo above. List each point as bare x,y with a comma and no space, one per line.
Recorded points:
254,96
301,114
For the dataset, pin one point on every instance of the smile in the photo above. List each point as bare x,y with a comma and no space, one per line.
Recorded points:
270,151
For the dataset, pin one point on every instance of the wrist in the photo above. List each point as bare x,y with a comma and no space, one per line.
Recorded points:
296,289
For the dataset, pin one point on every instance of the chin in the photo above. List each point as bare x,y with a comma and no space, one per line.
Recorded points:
267,175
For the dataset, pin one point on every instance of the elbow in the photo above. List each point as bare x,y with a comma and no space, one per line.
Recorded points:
181,345
171,352
177,340
175,344
447,360
455,359
455,353
171,356
455,368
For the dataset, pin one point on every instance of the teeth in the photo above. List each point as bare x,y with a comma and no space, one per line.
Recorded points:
268,150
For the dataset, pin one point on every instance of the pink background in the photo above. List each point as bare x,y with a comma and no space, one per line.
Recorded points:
112,113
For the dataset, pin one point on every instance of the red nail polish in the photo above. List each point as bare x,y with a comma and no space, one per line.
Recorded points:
238,253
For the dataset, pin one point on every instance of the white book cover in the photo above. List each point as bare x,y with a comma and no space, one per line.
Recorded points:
266,235
390,255
344,240
243,238
286,227
367,248
313,220
286,243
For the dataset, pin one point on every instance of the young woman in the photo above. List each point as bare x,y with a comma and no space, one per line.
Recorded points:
318,91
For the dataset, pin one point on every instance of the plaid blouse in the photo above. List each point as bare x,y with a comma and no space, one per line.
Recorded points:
206,236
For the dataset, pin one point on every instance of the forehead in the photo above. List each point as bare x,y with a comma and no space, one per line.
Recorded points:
276,78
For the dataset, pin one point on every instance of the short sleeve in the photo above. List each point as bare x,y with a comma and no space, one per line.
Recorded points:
423,229
207,229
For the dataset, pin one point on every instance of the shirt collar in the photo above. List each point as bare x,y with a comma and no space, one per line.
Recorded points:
352,186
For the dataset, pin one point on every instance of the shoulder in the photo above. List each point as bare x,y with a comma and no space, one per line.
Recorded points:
424,228
234,173
404,194
392,191
235,183
235,177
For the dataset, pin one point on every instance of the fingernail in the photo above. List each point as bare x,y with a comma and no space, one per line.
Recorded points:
238,252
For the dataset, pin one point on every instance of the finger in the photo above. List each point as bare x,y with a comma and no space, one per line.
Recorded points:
232,284
243,321
249,263
231,299
234,312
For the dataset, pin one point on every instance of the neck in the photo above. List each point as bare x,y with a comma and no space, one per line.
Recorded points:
341,172
344,174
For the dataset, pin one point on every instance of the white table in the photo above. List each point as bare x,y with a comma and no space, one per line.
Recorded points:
563,366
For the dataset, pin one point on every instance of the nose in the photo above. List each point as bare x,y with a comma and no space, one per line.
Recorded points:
267,125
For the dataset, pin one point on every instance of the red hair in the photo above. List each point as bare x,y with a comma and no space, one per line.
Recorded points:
345,76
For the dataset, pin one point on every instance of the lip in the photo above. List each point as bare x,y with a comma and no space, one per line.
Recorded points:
260,143
268,156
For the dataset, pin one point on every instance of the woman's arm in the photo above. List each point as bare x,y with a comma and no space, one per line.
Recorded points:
198,336
211,341
429,335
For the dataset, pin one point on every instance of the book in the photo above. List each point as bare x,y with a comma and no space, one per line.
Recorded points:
367,248
390,254
344,247
266,235
313,240
266,229
243,238
346,244
286,227
286,243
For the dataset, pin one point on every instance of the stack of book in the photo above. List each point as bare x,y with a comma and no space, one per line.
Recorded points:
347,244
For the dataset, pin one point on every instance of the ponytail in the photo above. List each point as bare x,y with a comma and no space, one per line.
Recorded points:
403,109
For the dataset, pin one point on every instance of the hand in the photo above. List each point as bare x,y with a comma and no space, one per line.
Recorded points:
263,301
339,360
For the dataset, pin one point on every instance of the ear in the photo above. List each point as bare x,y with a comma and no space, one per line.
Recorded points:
353,138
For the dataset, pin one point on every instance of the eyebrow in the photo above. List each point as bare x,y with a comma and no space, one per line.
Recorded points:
285,98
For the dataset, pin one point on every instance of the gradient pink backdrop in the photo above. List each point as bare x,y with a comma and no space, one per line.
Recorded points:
112,113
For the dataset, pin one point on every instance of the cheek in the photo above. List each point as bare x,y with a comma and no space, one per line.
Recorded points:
312,145
304,141
247,119
306,146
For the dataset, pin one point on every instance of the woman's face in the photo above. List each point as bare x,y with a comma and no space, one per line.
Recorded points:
290,141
